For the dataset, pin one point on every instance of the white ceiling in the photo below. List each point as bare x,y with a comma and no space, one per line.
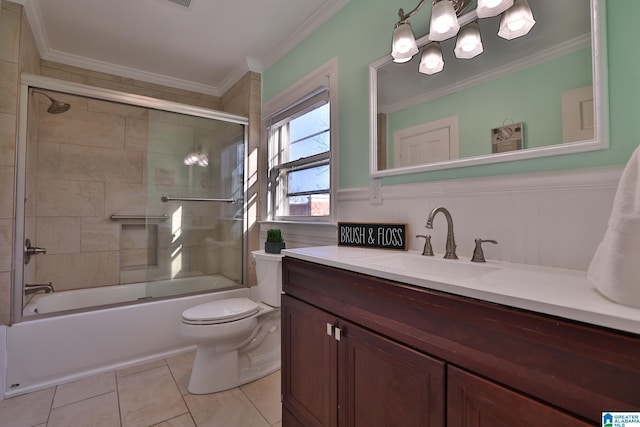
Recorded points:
206,47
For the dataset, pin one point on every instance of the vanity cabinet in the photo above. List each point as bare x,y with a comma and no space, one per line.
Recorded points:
331,363
364,351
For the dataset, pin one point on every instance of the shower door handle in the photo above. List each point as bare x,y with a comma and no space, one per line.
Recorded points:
32,250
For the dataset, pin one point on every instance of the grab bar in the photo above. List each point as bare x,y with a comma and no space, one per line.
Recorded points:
197,199
145,217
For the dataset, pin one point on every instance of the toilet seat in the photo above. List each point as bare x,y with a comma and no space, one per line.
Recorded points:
220,311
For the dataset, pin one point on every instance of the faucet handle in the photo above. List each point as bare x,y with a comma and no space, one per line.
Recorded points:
427,250
478,253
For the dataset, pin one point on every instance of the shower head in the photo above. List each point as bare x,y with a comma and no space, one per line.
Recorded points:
56,106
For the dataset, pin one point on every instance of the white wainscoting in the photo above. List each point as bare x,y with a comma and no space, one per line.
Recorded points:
554,219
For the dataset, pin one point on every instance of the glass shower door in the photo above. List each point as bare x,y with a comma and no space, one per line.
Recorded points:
94,180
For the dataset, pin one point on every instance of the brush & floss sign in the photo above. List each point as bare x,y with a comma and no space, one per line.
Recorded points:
369,235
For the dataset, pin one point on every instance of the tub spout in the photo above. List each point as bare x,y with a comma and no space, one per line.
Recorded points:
32,289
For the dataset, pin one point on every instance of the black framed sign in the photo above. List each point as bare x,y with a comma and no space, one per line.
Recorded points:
371,235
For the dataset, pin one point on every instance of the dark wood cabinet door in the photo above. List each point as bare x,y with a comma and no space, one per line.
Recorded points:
476,402
386,384
309,372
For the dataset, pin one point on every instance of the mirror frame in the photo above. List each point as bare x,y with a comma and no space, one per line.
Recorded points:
600,110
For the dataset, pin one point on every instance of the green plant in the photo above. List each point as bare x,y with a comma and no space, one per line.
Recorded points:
274,235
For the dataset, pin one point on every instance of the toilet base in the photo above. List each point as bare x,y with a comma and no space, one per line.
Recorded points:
214,370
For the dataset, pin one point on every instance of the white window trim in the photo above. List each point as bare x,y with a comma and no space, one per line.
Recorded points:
312,82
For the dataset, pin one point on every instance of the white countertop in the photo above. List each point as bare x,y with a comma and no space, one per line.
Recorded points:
559,292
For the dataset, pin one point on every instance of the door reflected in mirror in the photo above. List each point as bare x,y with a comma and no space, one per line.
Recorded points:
545,87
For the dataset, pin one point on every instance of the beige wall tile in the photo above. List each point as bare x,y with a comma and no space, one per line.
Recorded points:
60,235
5,301
136,134
29,54
117,109
6,192
7,139
99,234
48,161
206,259
125,199
8,87
6,244
79,163
9,34
70,198
81,127
77,271
137,258
146,275
139,236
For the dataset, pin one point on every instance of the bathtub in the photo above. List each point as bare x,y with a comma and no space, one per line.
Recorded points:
106,295
50,350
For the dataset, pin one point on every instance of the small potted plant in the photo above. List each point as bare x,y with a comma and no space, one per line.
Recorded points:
275,242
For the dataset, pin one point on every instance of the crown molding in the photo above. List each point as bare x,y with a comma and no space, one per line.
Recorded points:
132,73
322,15
38,27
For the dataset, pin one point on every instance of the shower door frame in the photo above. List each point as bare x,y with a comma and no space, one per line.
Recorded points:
28,81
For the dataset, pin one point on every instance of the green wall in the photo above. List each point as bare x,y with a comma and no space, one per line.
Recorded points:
361,33
535,101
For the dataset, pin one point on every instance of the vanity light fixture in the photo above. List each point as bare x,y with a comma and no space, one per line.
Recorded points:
517,20
431,61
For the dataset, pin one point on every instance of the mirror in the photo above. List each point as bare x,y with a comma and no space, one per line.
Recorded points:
542,94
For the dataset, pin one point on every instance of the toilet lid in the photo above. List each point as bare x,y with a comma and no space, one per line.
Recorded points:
225,310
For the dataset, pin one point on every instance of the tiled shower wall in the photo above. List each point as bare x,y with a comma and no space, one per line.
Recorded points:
100,159
18,53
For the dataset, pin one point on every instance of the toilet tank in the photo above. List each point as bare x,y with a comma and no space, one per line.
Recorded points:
269,275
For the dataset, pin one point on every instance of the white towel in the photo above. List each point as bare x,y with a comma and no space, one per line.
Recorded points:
615,267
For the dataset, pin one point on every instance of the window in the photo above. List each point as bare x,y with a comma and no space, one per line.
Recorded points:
300,161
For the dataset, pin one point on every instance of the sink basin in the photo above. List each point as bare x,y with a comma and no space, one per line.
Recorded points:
414,264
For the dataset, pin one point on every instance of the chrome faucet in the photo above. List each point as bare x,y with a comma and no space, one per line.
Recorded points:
32,289
451,242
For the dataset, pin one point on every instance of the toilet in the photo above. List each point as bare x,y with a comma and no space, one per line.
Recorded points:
238,339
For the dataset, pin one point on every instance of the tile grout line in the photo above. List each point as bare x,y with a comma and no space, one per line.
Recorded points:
115,373
254,406
51,406
186,405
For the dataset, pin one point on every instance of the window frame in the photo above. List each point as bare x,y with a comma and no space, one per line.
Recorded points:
316,89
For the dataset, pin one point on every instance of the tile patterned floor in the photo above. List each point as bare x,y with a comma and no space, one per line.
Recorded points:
153,394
